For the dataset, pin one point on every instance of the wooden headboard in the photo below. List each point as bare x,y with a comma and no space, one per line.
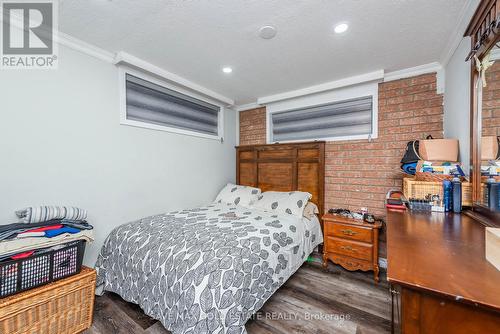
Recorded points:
284,167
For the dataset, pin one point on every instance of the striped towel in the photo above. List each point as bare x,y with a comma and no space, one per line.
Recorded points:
45,213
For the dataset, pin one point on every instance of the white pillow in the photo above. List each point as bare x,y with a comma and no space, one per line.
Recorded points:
292,203
310,210
240,195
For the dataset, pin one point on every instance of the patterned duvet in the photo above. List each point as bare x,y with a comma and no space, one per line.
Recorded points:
204,270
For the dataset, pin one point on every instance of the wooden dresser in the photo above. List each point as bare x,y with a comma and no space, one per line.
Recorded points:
437,267
351,243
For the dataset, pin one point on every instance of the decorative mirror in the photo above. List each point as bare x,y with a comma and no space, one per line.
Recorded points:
484,31
488,92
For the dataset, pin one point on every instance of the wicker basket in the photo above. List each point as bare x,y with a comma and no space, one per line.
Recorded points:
420,189
432,177
62,307
484,179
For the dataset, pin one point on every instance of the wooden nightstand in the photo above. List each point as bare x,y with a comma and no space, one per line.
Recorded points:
351,243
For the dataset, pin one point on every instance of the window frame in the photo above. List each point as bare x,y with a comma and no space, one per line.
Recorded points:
122,80
341,95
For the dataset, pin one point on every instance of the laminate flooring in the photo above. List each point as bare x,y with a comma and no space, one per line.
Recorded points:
313,300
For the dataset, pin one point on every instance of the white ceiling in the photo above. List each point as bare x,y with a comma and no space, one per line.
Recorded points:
195,39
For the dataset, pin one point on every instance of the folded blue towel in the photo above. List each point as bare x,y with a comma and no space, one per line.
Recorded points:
64,229
410,168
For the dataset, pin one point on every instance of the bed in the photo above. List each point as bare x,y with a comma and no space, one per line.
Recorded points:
209,269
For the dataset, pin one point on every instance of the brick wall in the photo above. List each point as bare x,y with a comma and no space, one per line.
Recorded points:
359,173
253,126
491,101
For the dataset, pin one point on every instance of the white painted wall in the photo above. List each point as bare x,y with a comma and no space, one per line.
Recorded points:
61,143
457,100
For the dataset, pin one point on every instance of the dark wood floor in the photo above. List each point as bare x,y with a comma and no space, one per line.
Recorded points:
338,302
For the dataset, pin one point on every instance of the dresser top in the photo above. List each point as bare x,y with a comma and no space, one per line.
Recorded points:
344,220
441,253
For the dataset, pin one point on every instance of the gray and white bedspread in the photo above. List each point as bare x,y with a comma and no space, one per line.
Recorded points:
205,270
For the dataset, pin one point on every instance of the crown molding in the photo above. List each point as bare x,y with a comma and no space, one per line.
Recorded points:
434,67
413,71
84,47
350,81
248,106
458,33
123,58
71,42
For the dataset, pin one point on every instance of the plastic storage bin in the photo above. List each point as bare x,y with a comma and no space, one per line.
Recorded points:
23,274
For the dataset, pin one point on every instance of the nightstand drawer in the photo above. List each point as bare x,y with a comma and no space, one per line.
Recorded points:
333,229
353,249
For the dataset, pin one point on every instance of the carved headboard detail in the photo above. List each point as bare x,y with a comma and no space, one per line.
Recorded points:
284,167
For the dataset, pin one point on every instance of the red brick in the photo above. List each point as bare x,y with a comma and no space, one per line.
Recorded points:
359,173
429,111
399,114
491,104
423,79
400,99
253,126
413,120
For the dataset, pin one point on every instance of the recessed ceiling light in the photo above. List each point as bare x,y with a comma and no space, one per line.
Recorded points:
341,27
227,69
267,32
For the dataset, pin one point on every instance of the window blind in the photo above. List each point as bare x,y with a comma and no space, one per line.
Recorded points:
345,118
154,104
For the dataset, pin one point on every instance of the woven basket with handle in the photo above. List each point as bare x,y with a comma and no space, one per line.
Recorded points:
433,177
62,307
421,189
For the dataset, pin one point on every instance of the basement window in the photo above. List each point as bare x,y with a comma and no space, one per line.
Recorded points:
154,104
341,120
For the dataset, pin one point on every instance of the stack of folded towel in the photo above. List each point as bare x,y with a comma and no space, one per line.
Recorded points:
42,229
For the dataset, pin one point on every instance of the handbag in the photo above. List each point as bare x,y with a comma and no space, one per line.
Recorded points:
411,153
410,157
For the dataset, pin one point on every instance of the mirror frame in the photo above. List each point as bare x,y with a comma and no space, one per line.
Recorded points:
484,30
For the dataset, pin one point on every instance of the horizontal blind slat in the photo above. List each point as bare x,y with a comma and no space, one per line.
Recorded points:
150,103
335,121
153,117
173,95
325,110
140,100
344,118
324,133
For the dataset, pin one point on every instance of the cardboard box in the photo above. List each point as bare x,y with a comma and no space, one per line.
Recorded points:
489,148
493,246
439,149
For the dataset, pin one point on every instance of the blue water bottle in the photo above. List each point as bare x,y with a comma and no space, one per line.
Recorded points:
457,194
447,195
493,189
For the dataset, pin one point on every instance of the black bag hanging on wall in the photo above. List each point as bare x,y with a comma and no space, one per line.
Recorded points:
498,152
410,158
411,153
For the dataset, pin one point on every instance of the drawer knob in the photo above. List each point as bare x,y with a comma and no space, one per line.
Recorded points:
348,232
349,248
